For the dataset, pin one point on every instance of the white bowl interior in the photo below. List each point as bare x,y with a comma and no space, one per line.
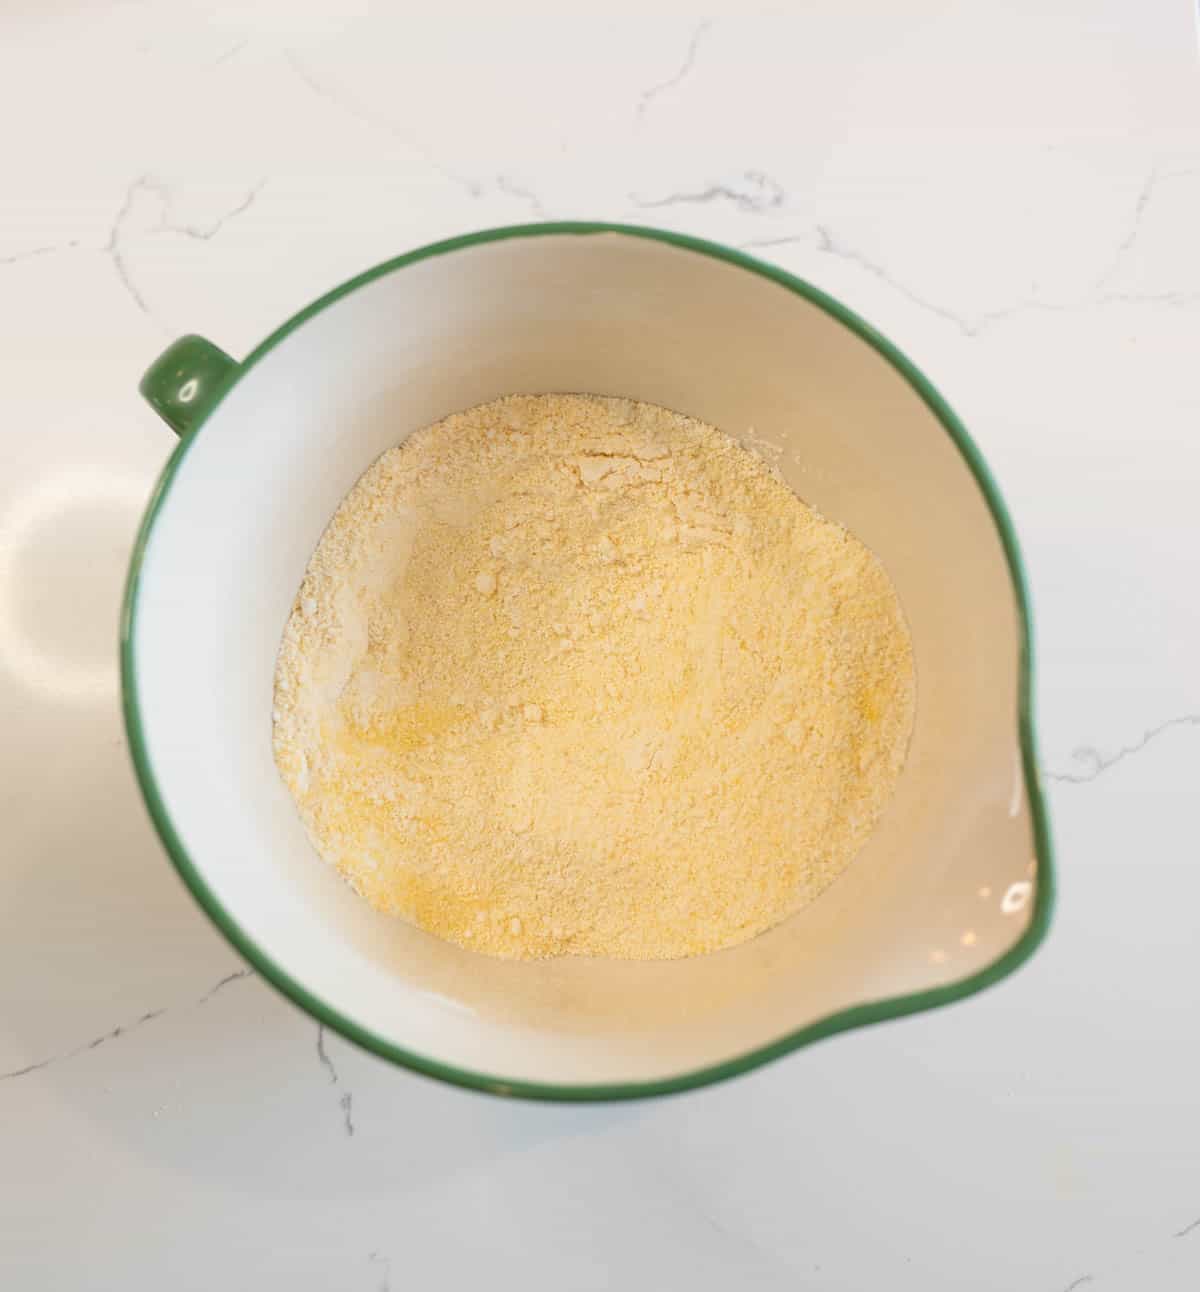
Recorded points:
942,889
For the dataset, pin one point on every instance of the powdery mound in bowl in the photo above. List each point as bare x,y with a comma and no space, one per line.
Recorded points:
572,675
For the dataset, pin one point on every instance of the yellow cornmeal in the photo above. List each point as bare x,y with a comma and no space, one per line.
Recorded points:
571,675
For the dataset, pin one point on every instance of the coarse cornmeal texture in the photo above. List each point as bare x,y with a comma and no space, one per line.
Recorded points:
572,675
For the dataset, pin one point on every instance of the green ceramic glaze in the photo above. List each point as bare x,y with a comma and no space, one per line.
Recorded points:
184,382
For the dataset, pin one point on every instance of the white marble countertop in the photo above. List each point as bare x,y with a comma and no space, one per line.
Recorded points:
1012,193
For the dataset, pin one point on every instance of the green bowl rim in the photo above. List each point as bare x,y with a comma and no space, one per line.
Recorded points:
856,1016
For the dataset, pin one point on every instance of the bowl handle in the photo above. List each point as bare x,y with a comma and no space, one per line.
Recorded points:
186,380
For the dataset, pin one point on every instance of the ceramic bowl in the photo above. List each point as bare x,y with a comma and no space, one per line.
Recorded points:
952,892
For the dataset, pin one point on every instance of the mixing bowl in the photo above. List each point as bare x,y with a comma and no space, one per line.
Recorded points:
952,892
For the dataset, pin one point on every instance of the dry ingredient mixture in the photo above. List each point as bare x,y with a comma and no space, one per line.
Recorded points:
572,675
